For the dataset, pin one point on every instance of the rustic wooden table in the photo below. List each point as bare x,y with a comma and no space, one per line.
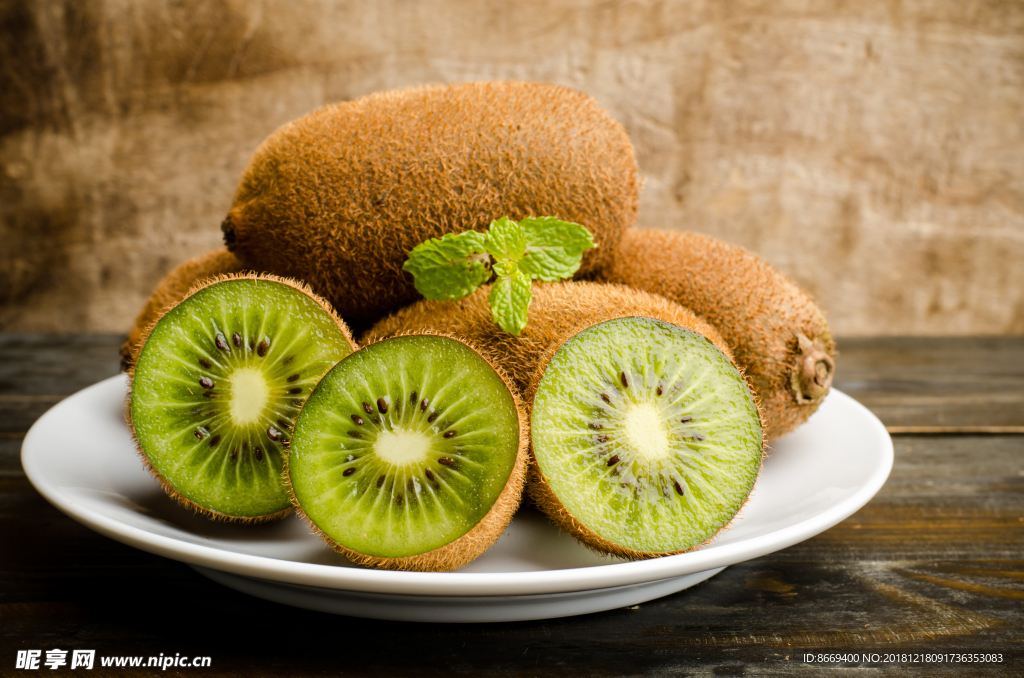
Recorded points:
933,565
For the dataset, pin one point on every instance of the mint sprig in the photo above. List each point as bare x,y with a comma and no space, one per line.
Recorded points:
515,253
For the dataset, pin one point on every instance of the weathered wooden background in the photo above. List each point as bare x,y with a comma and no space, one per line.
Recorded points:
873,150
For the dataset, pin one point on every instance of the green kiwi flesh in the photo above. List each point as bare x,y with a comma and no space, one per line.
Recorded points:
404,447
218,384
646,435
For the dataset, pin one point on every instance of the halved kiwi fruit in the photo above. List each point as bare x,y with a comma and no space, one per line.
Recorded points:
217,385
646,439
410,454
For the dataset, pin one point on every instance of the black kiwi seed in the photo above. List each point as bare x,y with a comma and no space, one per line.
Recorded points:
200,434
214,440
449,434
221,342
625,382
354,434
206,382
431,418
259,454
601,439
429,474
382,405
686,420
237,339
423,405
412,398
380,481
292,379
205,363
357,419
367,408
349,471
262,348
445,461
679,488
295,391
604,397
659,390
595,425
273,433
614,460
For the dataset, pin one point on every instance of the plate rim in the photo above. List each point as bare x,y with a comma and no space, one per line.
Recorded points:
451,583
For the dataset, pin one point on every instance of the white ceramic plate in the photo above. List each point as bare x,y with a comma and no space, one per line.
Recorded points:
79,455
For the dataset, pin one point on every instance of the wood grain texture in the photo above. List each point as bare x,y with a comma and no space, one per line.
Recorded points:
936,382
935,563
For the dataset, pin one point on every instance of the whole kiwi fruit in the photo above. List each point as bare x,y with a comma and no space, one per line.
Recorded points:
172,289
777,333
339,197
557,308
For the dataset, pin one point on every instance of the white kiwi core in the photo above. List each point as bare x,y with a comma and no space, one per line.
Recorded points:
646,433
402,447
249,395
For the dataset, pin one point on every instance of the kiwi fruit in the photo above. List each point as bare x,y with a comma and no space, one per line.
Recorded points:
557,309
338,198
777,334
410,454
646,439
173,289
217,385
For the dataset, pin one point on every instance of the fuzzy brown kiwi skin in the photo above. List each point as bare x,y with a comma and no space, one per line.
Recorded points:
339,197
540,492
474,543
557,308
777,333
203,284
173,289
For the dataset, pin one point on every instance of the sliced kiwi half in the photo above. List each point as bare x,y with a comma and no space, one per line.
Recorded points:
646,439
218,384
410,454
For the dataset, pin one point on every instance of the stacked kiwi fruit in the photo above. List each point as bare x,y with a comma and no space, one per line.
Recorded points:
633,408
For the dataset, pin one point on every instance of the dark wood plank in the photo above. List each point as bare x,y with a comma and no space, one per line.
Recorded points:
936,382
38,371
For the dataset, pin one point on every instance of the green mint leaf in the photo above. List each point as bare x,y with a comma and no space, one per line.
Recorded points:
505,240
449,268
510,301
554,248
